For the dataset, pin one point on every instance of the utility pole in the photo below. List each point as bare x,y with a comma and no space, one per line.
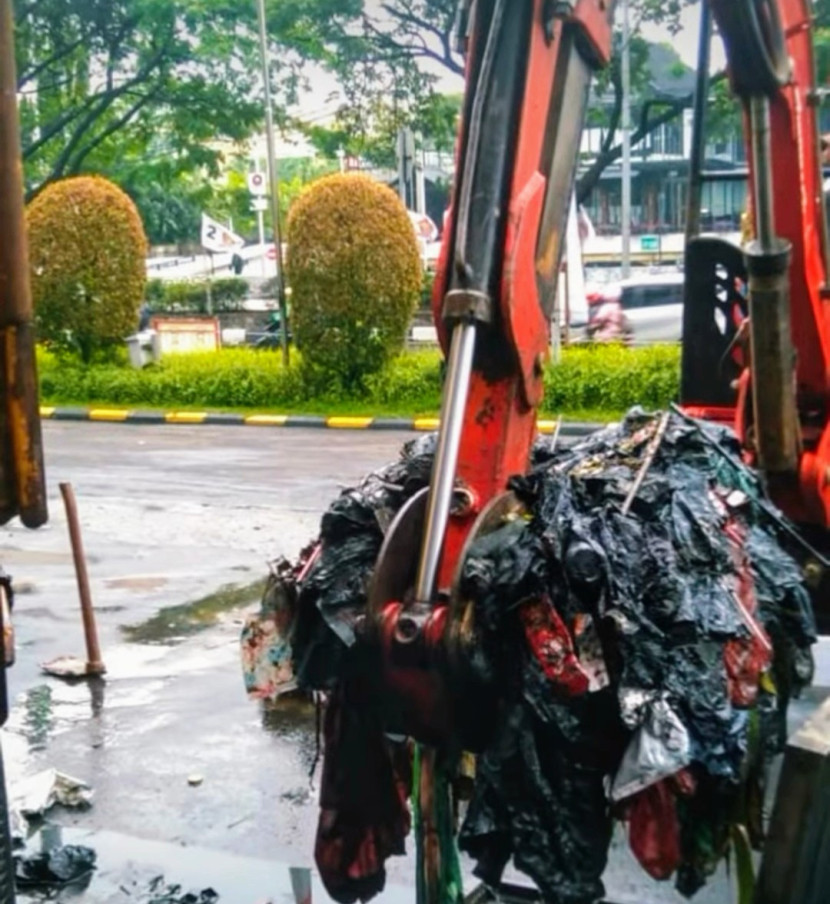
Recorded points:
697,159
272,180
626,137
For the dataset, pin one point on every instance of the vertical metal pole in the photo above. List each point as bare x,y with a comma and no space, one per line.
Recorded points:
626,138
459,370
777,427
210,284
699,125
94,664
272,179
762,172
23,491
260,224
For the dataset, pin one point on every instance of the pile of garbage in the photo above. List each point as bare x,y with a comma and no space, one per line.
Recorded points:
69,864
639,630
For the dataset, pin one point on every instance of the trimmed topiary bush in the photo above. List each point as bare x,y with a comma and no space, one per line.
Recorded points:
355,276
87,250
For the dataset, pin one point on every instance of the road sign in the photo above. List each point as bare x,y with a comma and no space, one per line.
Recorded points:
257,184
216,237
650,243
259,205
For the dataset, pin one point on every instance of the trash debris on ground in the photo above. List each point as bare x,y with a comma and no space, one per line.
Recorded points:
266,651
328,584
69,864
195,780
68,667
639,634
161,893
35,795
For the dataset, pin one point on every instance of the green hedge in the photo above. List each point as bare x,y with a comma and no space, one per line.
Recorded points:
613,377
589,381
189,296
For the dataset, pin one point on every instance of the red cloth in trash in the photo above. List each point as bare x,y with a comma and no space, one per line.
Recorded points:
654,829
364,818
552,645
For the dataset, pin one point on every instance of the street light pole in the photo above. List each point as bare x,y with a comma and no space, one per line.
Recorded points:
626,142
272,179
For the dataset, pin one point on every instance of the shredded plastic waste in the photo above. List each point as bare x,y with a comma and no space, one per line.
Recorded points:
70,864
638,633
160,892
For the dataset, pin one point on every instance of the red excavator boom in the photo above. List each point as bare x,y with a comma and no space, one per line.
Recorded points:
529,68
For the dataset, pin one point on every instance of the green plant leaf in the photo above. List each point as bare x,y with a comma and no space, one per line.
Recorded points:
744,868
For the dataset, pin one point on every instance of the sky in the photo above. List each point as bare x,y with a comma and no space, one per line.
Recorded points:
685,42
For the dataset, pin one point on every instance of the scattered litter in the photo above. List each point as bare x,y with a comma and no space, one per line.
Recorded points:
266,652
35,795
67,667
195,779
159,893
639,635
69,864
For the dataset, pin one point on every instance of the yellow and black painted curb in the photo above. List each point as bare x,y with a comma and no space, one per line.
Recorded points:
336,422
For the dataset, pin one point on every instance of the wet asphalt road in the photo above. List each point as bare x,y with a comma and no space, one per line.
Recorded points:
169,515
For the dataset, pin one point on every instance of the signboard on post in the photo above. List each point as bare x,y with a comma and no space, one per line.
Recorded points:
216,237
176,335
257,184
650,244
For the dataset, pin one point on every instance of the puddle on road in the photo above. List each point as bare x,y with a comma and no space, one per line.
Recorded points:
175,623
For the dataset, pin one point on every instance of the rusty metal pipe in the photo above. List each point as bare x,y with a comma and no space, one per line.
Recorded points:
94,664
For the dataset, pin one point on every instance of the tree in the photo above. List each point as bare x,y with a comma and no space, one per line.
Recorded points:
87,252
390,42
96,76
373,137
156,94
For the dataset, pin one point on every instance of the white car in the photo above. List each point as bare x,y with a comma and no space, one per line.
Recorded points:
651,309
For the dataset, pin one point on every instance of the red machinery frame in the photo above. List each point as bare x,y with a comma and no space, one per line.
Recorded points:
799,218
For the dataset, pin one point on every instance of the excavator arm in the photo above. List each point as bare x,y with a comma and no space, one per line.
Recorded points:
529,68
